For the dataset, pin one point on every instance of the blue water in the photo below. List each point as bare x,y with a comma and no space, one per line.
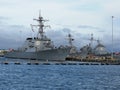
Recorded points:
59,77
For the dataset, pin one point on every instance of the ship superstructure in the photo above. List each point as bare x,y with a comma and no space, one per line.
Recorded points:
39,43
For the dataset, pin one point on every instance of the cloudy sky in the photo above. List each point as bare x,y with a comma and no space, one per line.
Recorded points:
81,18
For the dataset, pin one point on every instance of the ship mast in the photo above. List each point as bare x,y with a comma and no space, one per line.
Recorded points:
70,39
40,26
98,41
91,40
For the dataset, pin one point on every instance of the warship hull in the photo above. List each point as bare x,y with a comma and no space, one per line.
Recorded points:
51,55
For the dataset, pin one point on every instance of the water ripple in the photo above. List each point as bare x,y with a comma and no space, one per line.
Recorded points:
59,77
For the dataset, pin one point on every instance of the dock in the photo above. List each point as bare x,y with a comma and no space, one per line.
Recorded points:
34,62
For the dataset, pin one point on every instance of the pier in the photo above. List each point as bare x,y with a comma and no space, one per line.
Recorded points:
35,62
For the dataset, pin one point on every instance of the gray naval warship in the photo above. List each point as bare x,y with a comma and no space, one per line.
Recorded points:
40,47
97,50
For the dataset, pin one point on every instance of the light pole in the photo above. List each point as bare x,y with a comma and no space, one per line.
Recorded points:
112,36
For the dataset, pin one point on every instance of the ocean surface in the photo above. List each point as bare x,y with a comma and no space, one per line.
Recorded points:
59,77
